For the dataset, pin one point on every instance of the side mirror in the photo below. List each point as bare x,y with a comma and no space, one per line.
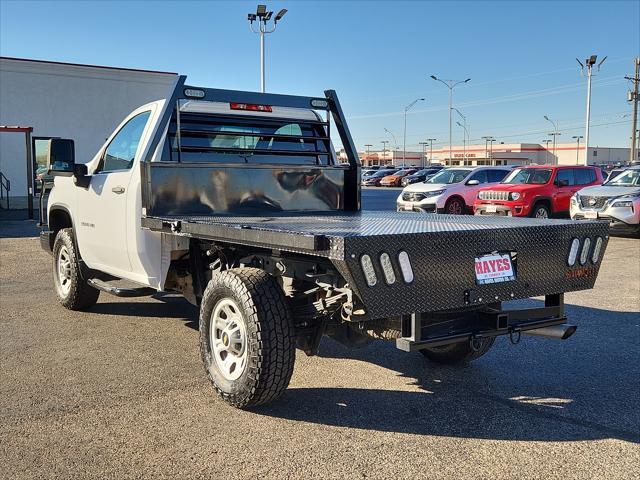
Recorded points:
61,157
473,182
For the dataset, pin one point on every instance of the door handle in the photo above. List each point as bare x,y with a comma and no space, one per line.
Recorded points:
118,190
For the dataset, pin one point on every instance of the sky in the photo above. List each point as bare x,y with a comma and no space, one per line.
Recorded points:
378,56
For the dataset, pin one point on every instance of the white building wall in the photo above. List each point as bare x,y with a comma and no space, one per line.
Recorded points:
84,103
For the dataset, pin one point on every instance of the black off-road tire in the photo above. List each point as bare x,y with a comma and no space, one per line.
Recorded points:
458,352
79,295
270,336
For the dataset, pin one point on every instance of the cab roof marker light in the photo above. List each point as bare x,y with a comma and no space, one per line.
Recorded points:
573,252
405,266
319,103
584,255
250,107
368,270
387,268
595,256
193,93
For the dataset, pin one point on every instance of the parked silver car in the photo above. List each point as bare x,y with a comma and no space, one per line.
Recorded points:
617,200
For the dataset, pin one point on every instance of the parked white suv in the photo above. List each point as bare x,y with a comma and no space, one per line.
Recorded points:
451,190
617,200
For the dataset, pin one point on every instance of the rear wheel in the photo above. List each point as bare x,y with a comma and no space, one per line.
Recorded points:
73,291
455,206
462,352
541,210
247,341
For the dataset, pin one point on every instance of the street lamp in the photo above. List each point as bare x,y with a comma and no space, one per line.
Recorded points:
555,134
577,139
546,141
384,151
262,16
591,61
395,145
431,140
488,139
404,141
464,143
424,152
450,84
367,146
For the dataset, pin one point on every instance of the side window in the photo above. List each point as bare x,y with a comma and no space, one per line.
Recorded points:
584,176
481,176
121,152
496,175
564,177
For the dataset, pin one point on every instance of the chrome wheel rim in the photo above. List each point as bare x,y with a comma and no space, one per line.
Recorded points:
228,339
63,270
542,213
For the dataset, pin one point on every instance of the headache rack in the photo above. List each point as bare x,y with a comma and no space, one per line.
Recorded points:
236,145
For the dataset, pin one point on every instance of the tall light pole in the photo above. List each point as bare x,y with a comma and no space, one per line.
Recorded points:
555,134
577,139
464,143
546,141
590,62
395,145
450,84
404,141
431,140
424,152
368,146
634,96
384,150
488,139
263,17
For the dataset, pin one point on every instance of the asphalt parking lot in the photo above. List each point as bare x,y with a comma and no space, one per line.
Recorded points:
119,392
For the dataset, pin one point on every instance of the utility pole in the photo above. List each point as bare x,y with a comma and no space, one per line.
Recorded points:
546,141
263,17
633,98
591,61
384,151
486,142
577,139
431,140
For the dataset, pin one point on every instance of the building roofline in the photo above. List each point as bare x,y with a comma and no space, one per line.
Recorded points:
51,62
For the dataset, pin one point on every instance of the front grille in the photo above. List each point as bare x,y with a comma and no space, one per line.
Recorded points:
593,202
413,197
493,195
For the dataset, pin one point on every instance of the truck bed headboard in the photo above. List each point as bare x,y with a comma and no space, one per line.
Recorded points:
181,185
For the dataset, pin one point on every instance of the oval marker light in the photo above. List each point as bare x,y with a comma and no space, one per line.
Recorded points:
595,256
405,266
573,253
193,93
584,255
387,268
368,270
319,103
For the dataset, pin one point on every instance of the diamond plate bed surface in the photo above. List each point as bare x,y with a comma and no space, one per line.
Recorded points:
366,224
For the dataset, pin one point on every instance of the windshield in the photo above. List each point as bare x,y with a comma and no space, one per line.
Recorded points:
629,178
403,173
535,176
449,176
383,173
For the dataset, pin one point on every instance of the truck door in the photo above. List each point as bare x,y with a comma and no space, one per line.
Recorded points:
102,226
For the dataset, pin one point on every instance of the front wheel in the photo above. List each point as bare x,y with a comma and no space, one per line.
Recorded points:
461,352
541,210
455,206
247,341
73,291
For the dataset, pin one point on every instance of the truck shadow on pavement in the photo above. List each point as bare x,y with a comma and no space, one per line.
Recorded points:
585,388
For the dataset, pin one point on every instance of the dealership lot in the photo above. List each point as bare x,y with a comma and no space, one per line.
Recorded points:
119,392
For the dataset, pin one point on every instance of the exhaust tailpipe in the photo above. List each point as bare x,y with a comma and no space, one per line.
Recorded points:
556,332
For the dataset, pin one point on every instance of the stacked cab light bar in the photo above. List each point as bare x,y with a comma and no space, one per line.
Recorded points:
584,251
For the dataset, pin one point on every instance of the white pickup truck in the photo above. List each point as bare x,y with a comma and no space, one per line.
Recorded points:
238,201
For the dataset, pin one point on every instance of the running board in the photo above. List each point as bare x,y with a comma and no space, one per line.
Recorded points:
120,292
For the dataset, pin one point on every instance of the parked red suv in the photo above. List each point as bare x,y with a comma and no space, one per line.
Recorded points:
538,191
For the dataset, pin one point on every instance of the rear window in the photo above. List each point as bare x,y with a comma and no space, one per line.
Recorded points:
584,176
227,139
